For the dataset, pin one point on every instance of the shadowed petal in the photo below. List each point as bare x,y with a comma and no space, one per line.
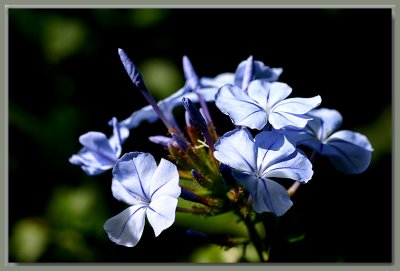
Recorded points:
161,213
126,228
268,196
165,181
208,94
237,150
218,81
120,134
121,193
271,148
91,163
326,121
260,71
242,110
349,152
147,113
295,166
134,171
303,136
98,143
191,77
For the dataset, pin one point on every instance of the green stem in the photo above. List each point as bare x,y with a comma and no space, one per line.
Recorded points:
255,238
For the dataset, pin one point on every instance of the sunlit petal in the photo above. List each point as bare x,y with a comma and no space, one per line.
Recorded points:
165,181
237,150
242,110
126,228
134,171
161,213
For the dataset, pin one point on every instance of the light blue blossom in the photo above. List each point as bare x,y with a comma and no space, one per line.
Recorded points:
349,152
100,153
256,161
259,71
150,190
264,102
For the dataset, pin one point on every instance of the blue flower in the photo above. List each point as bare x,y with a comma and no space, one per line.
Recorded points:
263,103
256,161
258,71
350,152
150,190
100,153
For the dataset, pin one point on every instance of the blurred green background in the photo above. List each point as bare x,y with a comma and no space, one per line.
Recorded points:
65,79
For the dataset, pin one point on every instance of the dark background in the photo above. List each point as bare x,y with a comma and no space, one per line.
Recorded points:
65,79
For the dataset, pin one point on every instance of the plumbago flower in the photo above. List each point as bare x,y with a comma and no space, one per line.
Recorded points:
150,190
350,152
264,102
256,161
99,152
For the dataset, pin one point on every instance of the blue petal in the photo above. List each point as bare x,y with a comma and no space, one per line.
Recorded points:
349,152
277,92
272,147
120,134
191,77
218,81
126,228
121,193
247,73
326,121
295,166
208,94
97,142
259,91
298,105
161,213
147,113
91,163
280,120
165,181
237,150
242,110
134,171
260,71
290,112
303,136
268,196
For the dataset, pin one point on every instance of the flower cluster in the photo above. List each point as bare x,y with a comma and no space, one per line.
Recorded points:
240,171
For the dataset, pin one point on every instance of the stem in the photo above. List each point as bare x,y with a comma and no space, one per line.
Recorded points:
293,188
198,211
255,238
